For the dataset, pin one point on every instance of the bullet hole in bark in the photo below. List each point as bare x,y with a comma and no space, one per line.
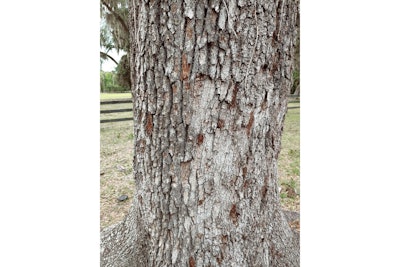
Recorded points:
185,68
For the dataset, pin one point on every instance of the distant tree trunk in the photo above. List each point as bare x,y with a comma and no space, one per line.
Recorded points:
210,84
296,59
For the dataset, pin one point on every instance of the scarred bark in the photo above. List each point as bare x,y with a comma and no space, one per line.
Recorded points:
211,80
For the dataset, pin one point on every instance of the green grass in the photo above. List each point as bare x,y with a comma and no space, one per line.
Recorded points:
106,96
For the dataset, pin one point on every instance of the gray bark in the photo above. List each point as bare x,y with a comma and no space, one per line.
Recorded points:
211,80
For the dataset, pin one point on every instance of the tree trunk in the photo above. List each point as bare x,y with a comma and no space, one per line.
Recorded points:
210,82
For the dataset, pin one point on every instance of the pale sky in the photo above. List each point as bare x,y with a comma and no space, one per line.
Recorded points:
109,65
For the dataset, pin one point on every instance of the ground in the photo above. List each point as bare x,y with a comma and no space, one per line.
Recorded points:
116,156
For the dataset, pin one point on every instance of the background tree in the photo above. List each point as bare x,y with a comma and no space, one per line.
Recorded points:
109,83
114,35
123,72
210,84
296,65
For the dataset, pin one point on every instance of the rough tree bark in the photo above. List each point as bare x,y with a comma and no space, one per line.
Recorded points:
210,82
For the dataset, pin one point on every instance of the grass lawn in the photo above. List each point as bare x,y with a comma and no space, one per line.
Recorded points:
116,157
289,160
116,148
107,96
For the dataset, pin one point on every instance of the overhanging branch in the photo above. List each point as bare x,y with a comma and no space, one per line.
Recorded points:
105,55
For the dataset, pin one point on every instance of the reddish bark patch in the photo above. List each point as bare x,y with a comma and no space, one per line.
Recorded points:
192,262
250,123
174,88
275,254
263,191
264,104
200,202
244,171
141,146
149,124
275,63
234,95
214,16
246,184
220,123
200,139
189,31
224,243
185,68
224,239
234,214
186,84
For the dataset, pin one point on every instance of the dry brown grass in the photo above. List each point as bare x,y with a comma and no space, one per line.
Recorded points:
289,160
116,157
116,177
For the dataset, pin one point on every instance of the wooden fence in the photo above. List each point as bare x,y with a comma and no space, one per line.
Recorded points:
126,101
294,99
108,111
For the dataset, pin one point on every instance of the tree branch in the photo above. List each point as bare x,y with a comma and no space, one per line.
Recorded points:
117,16
105,55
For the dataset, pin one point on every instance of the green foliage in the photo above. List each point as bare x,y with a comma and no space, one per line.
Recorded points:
114,34
106,40
109,83
123,72
296,80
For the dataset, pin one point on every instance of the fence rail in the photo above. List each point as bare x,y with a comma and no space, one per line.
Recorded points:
115,120
115,110
125,101
294,101
109,111
119,101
